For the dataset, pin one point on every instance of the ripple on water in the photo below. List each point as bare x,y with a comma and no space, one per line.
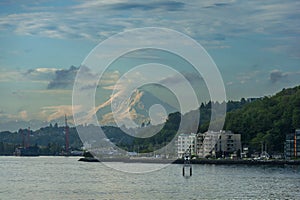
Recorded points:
66,178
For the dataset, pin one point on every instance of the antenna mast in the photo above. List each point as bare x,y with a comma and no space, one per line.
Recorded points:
28,138
67,134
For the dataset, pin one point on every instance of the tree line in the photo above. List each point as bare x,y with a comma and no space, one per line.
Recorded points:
264,120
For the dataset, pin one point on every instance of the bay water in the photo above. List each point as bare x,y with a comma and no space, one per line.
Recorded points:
67,178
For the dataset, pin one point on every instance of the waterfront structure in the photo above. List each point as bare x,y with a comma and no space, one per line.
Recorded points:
244,153
186,142
27,151
223,142
228,143
292,145
210,140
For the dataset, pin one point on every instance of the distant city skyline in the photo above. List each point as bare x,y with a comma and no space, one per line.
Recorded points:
256,46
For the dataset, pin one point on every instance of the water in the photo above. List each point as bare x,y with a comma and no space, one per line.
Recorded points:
66,178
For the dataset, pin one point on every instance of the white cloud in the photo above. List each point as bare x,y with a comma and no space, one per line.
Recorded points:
283,45
21,115
55,112
110,77
46,70
10,75
31,75
249,76
203,20
210,22
40,74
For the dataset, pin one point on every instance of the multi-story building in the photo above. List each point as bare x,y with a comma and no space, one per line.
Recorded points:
209,142
223,141
229,142
199,144
292,145
186,142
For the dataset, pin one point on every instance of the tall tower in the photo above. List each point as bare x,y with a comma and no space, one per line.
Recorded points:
23,138
28,138
67,134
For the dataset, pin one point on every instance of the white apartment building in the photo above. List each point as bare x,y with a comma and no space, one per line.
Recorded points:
184,142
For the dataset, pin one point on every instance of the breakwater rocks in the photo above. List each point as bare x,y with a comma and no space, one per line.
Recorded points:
195,161
247,162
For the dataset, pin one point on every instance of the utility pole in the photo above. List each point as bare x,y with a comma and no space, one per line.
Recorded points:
28,138
23,139
66,134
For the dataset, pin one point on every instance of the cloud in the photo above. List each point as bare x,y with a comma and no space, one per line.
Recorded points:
148,55
251,76
55,112
80,20
217,4
277,75
11,75
190,77
21,115
148,6
110,78
283,46
30,75
63,78
41,74
214,23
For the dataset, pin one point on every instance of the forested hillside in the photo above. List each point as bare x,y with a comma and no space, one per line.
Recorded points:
267,120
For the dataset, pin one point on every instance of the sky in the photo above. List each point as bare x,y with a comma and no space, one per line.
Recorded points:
255,45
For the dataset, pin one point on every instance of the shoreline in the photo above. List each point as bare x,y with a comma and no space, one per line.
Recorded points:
202,161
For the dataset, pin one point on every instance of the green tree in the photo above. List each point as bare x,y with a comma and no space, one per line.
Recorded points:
296,118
